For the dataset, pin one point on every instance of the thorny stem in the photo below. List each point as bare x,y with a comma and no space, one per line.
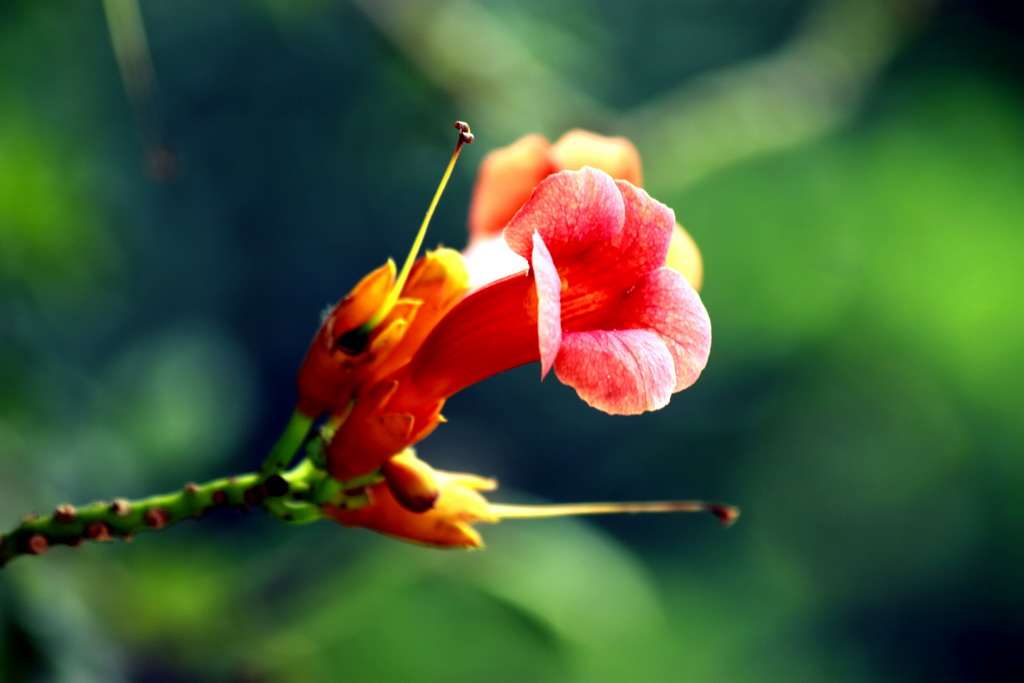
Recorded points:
287,496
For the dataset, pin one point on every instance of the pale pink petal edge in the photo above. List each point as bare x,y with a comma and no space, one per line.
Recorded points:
664,302
549,304
620,372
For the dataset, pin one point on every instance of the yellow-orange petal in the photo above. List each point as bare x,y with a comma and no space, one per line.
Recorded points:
411,481
331,370
363,301
616,156
436,283
439,275
506,178
684,257
447,524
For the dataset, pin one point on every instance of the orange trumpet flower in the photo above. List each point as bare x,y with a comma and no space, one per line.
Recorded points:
596,304
586,284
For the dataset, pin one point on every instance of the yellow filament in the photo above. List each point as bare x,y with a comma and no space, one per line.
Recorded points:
392,297
726,513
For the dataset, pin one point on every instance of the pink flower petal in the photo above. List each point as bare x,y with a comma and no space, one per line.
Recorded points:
621,372
549,304
572,211
664,302
646,231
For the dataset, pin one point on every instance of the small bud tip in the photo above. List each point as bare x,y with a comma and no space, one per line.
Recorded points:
726,514
465,135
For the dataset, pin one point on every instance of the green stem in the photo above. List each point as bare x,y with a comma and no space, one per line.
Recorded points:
283,452
287,496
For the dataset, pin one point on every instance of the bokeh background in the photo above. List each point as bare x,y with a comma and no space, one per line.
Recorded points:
853,171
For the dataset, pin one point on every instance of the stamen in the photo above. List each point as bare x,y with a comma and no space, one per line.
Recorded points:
465,137
726,514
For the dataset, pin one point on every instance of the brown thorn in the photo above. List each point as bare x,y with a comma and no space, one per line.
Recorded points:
191,488
37,544
98,531
253,495
121,507
65,513
157,518
275,486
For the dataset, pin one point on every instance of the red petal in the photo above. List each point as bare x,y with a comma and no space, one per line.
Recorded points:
664,302
572,211
646,231
549,304
638,247
491,330
622,372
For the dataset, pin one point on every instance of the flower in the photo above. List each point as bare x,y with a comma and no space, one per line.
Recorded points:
508,175
580,270
596,304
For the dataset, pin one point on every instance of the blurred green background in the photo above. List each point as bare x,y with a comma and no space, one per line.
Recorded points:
853,171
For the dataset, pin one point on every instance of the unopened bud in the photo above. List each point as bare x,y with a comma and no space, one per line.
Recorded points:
411,481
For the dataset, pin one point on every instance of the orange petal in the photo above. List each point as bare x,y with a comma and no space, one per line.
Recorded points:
507,177
332,367
363,301
684,257
617,157
436,283
411,481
